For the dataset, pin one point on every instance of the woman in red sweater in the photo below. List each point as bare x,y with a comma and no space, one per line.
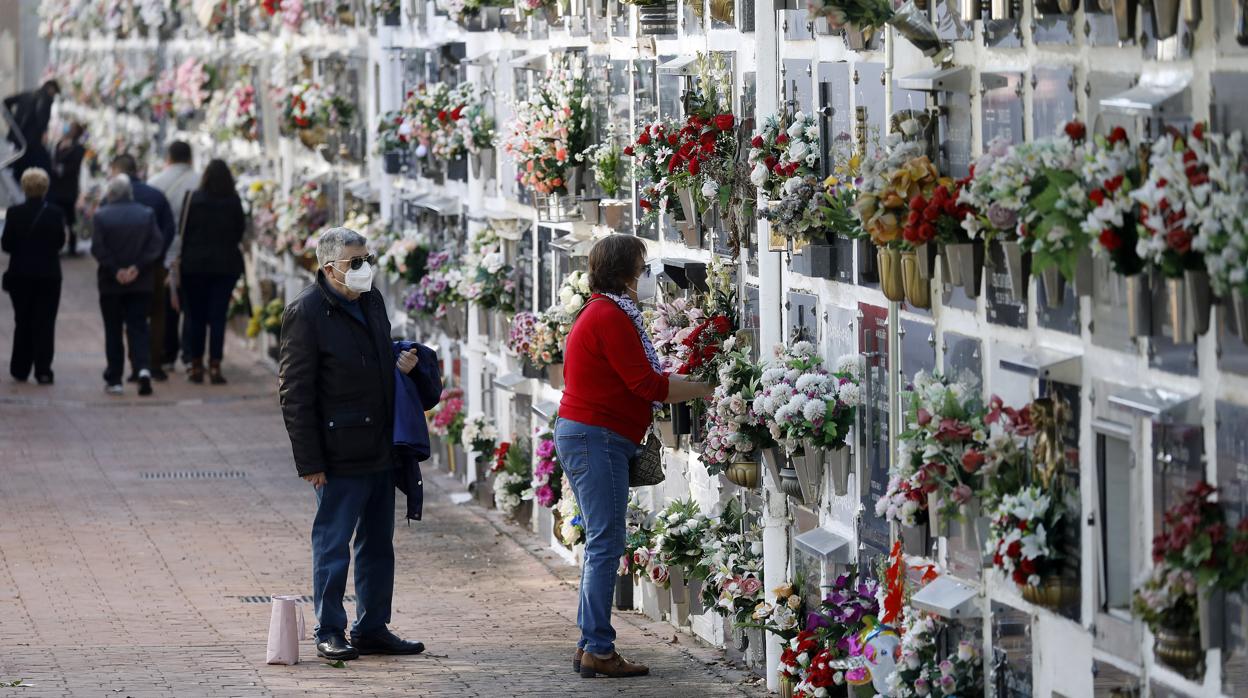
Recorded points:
612,386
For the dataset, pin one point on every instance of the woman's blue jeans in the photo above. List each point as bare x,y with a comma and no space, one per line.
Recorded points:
595,461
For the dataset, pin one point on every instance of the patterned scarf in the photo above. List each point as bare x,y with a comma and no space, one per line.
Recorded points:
634,313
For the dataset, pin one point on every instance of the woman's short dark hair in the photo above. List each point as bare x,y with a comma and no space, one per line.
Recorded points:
217,179
613,263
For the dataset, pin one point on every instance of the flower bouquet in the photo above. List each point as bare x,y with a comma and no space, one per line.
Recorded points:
782,618
407,257
669,325
1223,236
828,653
489,281
1111,172
240,117
520,335
921,671
448,417
549,134
679,532
439,289
651,152
606,159
733,560
780,153
638,539
512,482
547,482
549,335
1024,536
1051,228
571,529
711,337
311,111
861,19
938,454
702,165
480,435
735,433
304,212
574,292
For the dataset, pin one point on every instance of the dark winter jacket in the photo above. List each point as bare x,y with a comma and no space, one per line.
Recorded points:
414,395
336,383
152,198
211,243
125,234
34,233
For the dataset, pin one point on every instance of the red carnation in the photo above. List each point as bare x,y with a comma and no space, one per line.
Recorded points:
927,232
1097,197
770,161
1076,130
722,326
724,122
442,115
1015,549
1117,135
918,203
1199,131
782,139
757,142
694,167
914,218
628,150
1179,240
644,138
1110,239
456,112
673,139
972,460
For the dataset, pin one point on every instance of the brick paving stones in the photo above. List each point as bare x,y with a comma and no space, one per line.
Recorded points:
113,583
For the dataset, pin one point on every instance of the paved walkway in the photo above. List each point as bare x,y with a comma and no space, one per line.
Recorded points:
118,578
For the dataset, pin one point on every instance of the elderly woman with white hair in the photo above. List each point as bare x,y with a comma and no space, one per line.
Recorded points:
126,242
336,384
34,233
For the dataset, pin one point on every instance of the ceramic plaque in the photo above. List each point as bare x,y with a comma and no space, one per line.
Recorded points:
797,86
1003,307
802,317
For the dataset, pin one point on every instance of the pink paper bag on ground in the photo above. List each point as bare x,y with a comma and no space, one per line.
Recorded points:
286,629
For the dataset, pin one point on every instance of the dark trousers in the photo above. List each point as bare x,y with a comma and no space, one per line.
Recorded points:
126,311
173,327
207,303
363,505
35,302
156,315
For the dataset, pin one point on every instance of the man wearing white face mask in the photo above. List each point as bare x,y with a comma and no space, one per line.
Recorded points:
337,391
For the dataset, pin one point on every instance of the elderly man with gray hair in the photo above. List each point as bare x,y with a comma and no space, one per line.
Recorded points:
337,384
126,242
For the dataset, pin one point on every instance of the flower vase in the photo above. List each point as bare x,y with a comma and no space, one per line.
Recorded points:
554,373
1054,592
1125,12
774,458
1179,649
576,180
612,213
918,289
891,278
529,370
650,605
914,24
1210,609
966,266
624,592
392,162
551,12
313,137
690,233
679,596
1239,305
914,539
483,161
926,254
687,206
1165,18
693,593
809,468
1199,300
1054,286
589,209
789,483
841,465
786,686
1084,272
1018,264
1139,305
523,513
455,322
858,38
1176,309
937,521
747,474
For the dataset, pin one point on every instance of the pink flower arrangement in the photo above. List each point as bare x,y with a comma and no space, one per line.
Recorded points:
547,474
448,416
520,336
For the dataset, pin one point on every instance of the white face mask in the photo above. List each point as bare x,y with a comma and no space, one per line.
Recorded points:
647,285
360,280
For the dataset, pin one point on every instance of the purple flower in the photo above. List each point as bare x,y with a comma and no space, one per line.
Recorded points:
1002,218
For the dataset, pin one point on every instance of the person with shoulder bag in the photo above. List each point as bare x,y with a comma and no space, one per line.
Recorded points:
34,233
613,384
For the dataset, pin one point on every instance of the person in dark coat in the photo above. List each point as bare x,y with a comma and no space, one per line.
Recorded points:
413,396
336,385
33,235
209,262
32,111
125,241
66,173
154,199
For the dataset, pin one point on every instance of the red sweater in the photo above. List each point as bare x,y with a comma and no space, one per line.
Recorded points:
608,382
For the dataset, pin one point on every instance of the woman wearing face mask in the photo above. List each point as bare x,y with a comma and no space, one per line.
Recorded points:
613,385
209,263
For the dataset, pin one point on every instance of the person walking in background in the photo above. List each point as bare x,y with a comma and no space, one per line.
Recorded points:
126,241
176,181
613,385
336,386
32,111
149,196
33,235
209,262
66,173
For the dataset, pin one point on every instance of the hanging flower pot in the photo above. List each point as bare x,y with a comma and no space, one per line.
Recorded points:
789,483
554,373
1239,305
1054,287
747,474
1054,592
455,322
1165,18
914,24
1125,12
687,206
868,264
858,38
914,539
589,209
693,594
529,370
551,12
740,640
612,213
1084,271
809,468
1210,609
690,233
926,254
891,279
1018,264
1179,649
966,266
1176,309
1199,300
774,458
786,686
841,465
918,289
392,162
483,161
313,137
1140,305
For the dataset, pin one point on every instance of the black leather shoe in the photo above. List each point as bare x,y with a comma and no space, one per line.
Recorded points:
385,642
159,375
336,647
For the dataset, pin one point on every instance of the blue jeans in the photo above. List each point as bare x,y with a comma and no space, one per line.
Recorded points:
595,460
363,505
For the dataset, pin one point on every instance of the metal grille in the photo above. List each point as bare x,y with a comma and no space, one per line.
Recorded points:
194,475
348,598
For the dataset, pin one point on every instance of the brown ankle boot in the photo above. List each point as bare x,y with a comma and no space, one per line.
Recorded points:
615,667
214,373
576,660
196,372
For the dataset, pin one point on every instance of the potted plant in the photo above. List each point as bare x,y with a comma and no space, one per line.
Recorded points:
489,281
545,138
922,670
606,159
390,142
